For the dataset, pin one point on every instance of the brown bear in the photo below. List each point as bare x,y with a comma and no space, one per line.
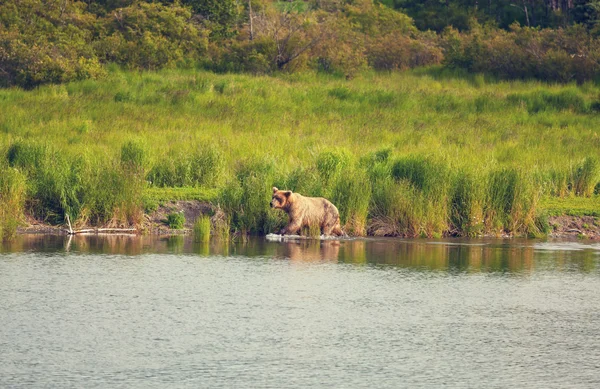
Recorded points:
306,211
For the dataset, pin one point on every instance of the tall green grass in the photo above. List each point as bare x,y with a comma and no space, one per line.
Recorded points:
12,199
87,188
202,229
399,154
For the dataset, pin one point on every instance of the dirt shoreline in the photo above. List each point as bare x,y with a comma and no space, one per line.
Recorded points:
574,227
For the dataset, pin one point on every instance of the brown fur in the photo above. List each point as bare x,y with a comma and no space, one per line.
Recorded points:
307,211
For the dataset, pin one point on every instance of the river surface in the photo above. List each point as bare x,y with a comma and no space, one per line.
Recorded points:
150,312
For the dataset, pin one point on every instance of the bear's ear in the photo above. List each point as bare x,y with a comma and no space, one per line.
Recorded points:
275,189
287,193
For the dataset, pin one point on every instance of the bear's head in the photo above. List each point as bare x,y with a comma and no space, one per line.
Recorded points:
280,199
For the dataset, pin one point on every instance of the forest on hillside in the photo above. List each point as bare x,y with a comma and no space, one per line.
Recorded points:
55,41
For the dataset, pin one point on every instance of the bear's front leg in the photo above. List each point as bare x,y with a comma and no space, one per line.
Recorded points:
291,229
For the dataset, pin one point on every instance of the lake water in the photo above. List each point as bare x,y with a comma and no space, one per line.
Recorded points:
156,312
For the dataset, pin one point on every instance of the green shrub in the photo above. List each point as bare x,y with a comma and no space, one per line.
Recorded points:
176,220
203,167
245,200
393,52
27,155
202,229
331,164
133,157
46,42
352,195
256,57
150,36
542,100
112,195
510,202
586,177
426,174
395,209
465,205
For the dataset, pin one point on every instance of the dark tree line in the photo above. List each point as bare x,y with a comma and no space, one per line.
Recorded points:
438,14
54,41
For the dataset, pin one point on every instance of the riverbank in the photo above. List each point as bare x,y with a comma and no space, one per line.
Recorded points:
581,223
419,153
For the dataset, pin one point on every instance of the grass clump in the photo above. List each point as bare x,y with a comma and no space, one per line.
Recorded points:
352,195
134,157
176,221
510,201
202,167
12,199
246,198
586,176
202,229
465,208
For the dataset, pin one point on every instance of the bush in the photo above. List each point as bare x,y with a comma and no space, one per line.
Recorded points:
133,157
561,55
331,164
203,167
245,200
202,227
176,220
393,52
510,201
586,176
151,36
465,205
352,195
46,42
256,56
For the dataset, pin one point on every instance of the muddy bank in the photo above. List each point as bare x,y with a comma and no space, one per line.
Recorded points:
585,227
582,227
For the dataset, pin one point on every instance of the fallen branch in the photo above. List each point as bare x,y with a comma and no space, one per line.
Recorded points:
100,230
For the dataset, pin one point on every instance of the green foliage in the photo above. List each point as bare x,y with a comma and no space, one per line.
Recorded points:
176,220
200,168
586,176
562,55
392,52
220,15
425,174
46,41
246,198
111,195
352,195
12,199
465,204
28,156
84,189
331,164
543,100
202,227
133,157
150,36
510,202
430,151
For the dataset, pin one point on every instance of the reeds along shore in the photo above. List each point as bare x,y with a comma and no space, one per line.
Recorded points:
420,153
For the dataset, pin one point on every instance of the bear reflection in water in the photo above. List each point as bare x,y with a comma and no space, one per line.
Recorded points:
310,251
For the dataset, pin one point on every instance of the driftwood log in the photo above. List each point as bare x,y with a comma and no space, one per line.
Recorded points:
70,231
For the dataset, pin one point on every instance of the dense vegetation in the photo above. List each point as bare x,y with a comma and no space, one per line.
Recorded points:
446,148
54,41
424,152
